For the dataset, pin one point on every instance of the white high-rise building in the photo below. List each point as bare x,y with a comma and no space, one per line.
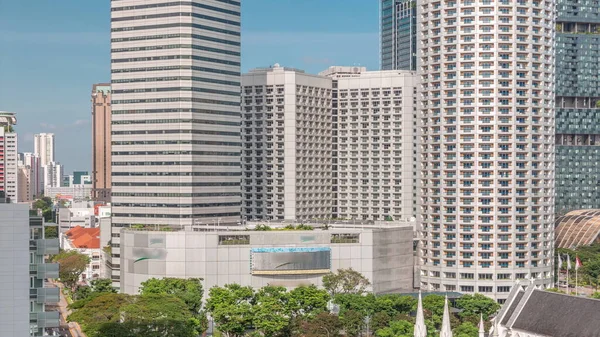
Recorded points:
286,156
375,143
53,175
43,147
175,112
30,177
8,156
487,134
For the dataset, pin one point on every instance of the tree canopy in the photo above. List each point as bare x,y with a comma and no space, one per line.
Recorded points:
345,281
152,315
71,265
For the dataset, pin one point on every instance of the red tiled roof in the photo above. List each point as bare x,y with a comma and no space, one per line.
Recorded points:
84,237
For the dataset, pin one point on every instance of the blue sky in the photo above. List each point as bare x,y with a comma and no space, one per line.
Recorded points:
52,51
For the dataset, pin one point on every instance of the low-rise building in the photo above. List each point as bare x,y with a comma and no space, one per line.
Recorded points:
79,213
86,241
530,311
381,252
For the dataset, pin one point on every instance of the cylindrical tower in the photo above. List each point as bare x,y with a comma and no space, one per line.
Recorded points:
487,134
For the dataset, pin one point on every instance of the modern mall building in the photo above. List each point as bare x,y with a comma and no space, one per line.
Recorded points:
382,252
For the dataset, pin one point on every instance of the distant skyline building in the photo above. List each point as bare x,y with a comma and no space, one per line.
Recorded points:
30,177
375,161
398,34
487,136
286,153
577,105
101,141
53,175
9,172
43,147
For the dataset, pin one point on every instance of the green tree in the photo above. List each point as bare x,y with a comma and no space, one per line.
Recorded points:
322,325
45,205
97,286
345,281
153,315
102,309
474,305
395,304
50,232
158,315
189,290
466,329
270,310
231,308
380,320
353,322
71,265
396,329
596,295
434,304
307,301
356,302
102,285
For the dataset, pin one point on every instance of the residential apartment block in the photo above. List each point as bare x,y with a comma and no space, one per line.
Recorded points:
43,147
286,154
487,135
374,144
101,138
577,105
30,177
9,173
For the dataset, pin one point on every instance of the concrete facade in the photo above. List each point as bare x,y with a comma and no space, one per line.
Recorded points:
286,154
101,142
30,177
14,273
175,112
487,135
23,272
9,158
374,144
43,147
260,258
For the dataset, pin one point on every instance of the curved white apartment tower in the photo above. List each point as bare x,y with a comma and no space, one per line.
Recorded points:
487,132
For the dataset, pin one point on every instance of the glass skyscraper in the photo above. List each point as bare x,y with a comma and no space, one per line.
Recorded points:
398,34
577,112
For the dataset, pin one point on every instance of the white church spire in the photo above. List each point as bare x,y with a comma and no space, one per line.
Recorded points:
420,328
481,327
446,328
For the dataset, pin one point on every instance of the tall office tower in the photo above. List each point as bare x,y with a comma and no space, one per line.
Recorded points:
23,273
101,138
286,153
30,177
8,156
398,34
43,147
577,105
374,143
175,112
487,126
